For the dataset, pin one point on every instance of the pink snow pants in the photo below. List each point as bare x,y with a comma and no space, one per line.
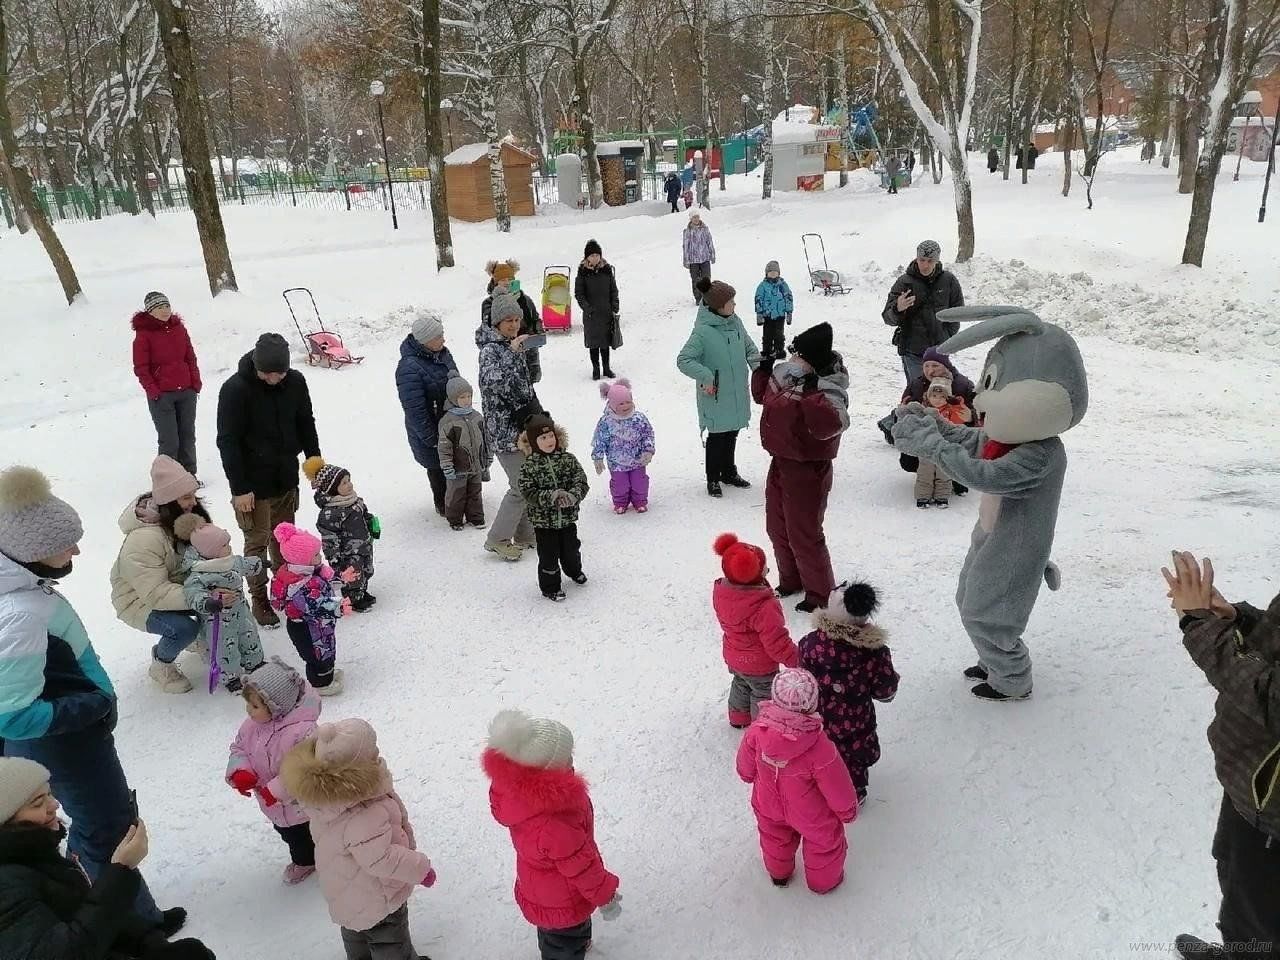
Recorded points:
630,488
824,852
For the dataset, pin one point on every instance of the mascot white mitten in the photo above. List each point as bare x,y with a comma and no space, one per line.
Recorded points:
1033,388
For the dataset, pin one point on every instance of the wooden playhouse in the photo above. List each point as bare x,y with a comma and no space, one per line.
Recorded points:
466,176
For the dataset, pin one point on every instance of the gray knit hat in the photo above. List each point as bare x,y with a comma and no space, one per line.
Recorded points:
504,307
929,250
271,354
531,741
456,387
34,524
154,299
278,684
772,267
20,780
427,327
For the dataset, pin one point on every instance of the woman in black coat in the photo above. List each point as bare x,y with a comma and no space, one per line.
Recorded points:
48,909
596,291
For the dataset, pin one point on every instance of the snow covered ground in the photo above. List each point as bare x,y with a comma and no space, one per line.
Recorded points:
1074,825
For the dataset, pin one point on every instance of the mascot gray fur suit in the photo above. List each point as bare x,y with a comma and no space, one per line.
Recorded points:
1033,388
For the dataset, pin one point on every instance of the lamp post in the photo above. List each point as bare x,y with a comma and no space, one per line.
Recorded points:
1251,101
447,106
746,103
1271,163
376,89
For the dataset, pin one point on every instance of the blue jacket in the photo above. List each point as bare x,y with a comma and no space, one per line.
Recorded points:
773,300
51,681
421,377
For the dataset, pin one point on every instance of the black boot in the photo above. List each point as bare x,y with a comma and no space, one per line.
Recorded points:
1193,948
604,363
779,881
735,479
784,592
595,363
806,606
976,672
984,691
713,488
172,920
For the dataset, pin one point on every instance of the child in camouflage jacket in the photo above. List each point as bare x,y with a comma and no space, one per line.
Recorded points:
553,484
347,529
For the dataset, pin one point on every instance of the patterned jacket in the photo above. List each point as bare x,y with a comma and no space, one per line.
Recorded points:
344,530
1241,658
622,440
542,474
505,389
773,300
698,245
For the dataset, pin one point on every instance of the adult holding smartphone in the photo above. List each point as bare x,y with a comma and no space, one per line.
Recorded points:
913,304
1237,646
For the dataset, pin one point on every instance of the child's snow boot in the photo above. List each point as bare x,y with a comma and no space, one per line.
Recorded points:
233,685
942,503
779,881
295,873
806,606
783,592
976,672
713,488
923,504
642,508
739,719
580,579
555,596
361,605
263,614
456,525
478,524
619,510
1193,948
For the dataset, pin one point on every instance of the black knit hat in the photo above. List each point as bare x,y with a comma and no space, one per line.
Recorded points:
536,426
271,354
814,346
591,247
860,600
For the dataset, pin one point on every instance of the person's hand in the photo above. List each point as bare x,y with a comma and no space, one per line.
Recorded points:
646,458
1190,583
243,503
788,319
484,476
345,607
349,575
429,880
709,389
267,796
599,467
517,343
244,781
213,604
810,381
906,300
133,848
613,909
563,499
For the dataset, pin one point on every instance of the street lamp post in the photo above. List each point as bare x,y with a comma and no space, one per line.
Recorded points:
1252,103
746,102
447,106
1271,164
376,89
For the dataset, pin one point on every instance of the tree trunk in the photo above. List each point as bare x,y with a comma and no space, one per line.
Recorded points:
766,144
489,117
586,122
1233,15
1069,139
842,84
704,85
133,130
1008,114
964,200
1171,134
20,218
426,50
24,194
194,141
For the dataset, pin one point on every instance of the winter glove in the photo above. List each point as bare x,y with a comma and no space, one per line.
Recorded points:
788,319
244,781
345,608
430,879
213,605
599,467
613,909
767,360
375,527
646,458
563,499
267,796
349,575
810,381
484,476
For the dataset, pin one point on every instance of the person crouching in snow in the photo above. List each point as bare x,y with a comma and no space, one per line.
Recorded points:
850,657
553,484
801,790
367,858
214,587
306,591
465,456
753,626
933,486
282,712
347,529
774,304
623,439
535,793
805,403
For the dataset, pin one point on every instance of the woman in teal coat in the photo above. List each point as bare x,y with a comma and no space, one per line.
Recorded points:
719,356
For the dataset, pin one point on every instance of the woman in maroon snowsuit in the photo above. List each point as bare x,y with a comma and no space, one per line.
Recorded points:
806,409
165,364
851,659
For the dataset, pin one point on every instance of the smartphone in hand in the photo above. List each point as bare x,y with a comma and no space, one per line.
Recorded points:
133,805
535,342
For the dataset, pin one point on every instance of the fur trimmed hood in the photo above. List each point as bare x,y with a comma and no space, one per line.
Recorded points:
521,792
335,785
562,442
145,321
868,636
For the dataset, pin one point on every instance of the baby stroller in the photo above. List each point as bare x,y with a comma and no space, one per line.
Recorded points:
324,348
557,300
821,278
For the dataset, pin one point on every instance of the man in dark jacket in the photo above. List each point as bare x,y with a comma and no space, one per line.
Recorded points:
425,367
913,305
671,186
264,421
1238,648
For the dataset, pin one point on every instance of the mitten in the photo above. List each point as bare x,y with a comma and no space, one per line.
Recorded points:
346,607
349,575
788,319
767,360
430,879
484,476
375,527
564,499
646,458
599,467
212,605
267,796
244,781
810,380
613,909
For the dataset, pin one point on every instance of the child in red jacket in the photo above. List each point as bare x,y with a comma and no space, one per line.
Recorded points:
165,364
933,486
535,793
755,633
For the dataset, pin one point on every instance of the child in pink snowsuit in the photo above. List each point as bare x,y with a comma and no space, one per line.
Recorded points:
623,438
800,787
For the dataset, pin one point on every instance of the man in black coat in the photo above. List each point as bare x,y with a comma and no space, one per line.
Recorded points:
673,189
913,305
264,421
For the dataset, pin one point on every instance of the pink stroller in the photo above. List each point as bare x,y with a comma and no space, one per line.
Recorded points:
324,348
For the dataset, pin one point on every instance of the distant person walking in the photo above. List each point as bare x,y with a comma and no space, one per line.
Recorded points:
892,167
993,160
165,364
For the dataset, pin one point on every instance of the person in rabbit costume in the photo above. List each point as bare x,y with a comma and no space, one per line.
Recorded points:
1033,387
214,587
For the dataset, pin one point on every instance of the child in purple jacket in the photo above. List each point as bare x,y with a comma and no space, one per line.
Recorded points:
283,711
850,657
623,438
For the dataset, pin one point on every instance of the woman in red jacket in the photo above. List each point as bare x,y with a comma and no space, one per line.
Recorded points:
165,364
806,409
